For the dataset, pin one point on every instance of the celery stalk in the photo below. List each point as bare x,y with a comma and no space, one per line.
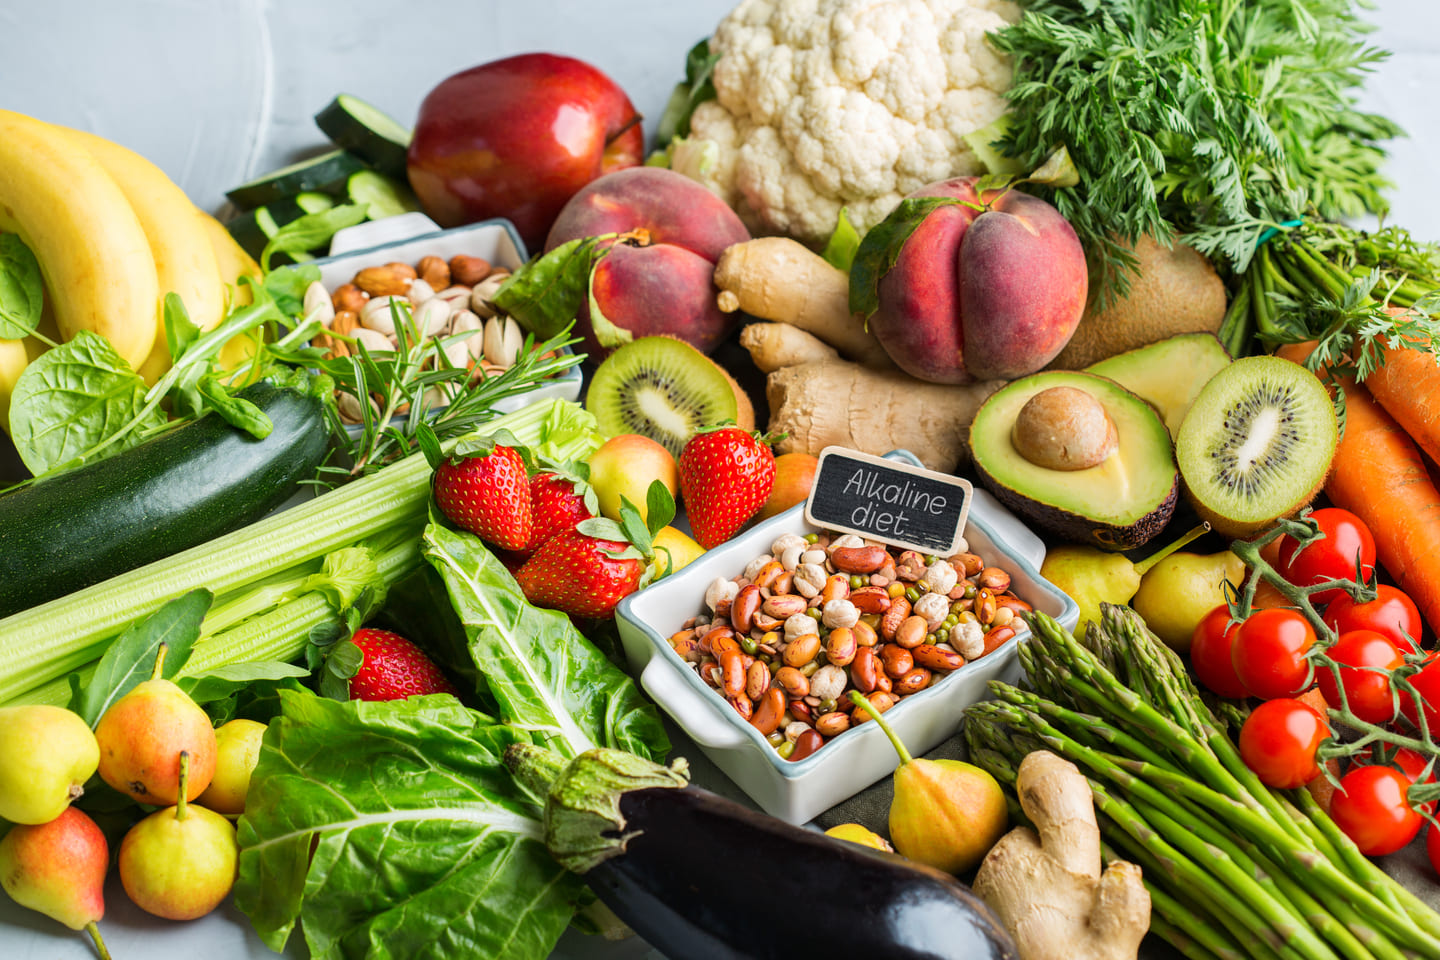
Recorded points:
45,643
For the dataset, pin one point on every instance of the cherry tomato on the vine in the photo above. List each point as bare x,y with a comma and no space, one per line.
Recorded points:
1392,613
1427,684
1210,647
1367,692
1279,740
1269,653
1370,806
1331,558
1410,763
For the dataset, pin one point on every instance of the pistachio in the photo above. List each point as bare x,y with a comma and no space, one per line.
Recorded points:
484,293
378,314
503,340
318,305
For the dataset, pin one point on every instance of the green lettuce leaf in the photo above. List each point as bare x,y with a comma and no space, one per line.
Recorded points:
543,674
423,845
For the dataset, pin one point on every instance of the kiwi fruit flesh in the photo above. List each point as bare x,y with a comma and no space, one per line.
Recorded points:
664,389
1256,444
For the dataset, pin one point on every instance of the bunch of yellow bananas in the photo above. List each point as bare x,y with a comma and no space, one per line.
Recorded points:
113,234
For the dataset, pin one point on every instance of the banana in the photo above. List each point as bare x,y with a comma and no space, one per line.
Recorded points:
13,360
93,253
184,260
234,264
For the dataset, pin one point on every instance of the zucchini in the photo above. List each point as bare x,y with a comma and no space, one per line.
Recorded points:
254,229
367,132
383,196
168,494
327,172
681,865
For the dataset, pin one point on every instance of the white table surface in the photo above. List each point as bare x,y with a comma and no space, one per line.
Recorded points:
217,91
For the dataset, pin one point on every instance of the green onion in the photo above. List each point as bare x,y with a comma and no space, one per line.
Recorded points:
39,647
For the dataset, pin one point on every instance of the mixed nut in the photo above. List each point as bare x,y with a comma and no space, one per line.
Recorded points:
445,301
818,616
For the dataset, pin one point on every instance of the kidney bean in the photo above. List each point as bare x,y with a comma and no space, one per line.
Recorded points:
871,599
890,622
742,706
896,660
800,710
768,573
997,637
732,672
832,723
802,650
864,669
858,559
836,587
792,681
881,700
864,634
993,579
806,744
743,607
931,657
769,711
716,632
840,646
721,644
757,680
915,680
781,607
783,583
911,632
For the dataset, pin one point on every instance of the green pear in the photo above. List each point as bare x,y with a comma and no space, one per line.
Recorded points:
1177,592
58,868
179,863
143,734
46,755
945,813
1092,577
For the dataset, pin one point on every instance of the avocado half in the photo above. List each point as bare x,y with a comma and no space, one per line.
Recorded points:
1168,373
1117,504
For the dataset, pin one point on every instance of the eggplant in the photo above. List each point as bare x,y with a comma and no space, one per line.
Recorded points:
701,877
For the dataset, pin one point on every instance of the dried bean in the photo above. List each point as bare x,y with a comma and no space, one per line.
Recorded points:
802,650
768,711
743,607
864,669
896,659
808,743
832,724
840,646
757,680
932,657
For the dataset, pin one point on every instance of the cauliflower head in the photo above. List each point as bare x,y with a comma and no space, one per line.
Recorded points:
828,103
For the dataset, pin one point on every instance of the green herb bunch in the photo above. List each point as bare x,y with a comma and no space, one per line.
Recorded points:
1207,119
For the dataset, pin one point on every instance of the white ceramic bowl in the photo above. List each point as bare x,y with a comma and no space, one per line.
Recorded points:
797,792
408,237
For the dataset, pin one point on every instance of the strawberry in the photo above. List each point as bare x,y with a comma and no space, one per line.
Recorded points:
557,503
394,668
586,570
581,575
487,494
725,478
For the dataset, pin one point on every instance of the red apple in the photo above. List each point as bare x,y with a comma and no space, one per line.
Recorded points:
516,138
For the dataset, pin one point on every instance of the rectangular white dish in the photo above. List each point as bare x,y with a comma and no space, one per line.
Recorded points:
408,237
798,791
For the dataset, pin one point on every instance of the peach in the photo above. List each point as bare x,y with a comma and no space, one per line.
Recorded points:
990,288
661,282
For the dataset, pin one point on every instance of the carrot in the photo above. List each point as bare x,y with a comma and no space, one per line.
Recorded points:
1408,387
1379,475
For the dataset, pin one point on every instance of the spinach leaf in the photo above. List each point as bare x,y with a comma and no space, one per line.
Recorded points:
304,234
545,676
130,658
73,397
423,845
225,680
22,291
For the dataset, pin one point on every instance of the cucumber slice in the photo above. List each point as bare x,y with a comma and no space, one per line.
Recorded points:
326,172
366,131
254,229
385,196
310,202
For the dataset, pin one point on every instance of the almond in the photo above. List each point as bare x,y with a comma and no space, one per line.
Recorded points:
349,297
434,271
383,281
468,270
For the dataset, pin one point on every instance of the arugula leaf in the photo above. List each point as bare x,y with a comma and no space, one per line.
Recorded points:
74,396
130,658
304,234
287,286
423,844
543,675
545,294
22,289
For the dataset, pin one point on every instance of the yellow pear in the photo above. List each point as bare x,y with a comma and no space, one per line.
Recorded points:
946,813
237,749
58,868
179,862
1177,592
683,549
46,755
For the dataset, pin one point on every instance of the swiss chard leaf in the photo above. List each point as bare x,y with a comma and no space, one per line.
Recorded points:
130,658
227,679
22,291
544,676
73,397
545,294
423,845
881,247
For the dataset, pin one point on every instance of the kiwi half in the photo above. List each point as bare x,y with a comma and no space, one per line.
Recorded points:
664,389
1256,444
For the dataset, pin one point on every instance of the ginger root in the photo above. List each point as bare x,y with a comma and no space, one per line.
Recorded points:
776,278
1048,890
776,345
818,404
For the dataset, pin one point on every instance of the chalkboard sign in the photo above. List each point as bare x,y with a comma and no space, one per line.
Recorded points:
895,503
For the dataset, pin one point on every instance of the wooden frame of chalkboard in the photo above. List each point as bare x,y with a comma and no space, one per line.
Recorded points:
889,501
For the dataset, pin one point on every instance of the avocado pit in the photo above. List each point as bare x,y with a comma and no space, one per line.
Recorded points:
1064,428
